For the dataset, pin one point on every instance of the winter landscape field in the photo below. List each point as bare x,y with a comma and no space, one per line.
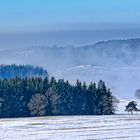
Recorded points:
108,127
70,70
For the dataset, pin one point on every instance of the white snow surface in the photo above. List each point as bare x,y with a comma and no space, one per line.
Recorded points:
113,127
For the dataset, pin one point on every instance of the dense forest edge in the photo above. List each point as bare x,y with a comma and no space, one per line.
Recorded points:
12,71
26,96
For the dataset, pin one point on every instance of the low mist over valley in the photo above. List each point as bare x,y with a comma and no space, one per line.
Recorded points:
115,61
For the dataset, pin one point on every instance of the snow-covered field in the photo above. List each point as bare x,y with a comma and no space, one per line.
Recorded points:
116,127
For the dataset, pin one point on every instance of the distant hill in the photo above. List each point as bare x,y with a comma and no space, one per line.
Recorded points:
11,71
115,61
106,53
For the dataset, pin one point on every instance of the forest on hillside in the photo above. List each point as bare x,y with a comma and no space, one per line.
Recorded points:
37,96
11,71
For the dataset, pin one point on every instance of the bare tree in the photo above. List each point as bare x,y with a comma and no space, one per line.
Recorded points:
53,101
37,105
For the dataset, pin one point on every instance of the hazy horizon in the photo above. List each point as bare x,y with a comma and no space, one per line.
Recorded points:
65,23
63,38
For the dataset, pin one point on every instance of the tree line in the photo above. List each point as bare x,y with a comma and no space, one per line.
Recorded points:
11,71
36,96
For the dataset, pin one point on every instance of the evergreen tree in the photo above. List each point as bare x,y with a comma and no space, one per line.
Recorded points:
92,99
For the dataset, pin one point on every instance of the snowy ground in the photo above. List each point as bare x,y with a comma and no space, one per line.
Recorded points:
117,127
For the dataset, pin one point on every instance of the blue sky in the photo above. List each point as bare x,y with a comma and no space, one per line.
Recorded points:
52,15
